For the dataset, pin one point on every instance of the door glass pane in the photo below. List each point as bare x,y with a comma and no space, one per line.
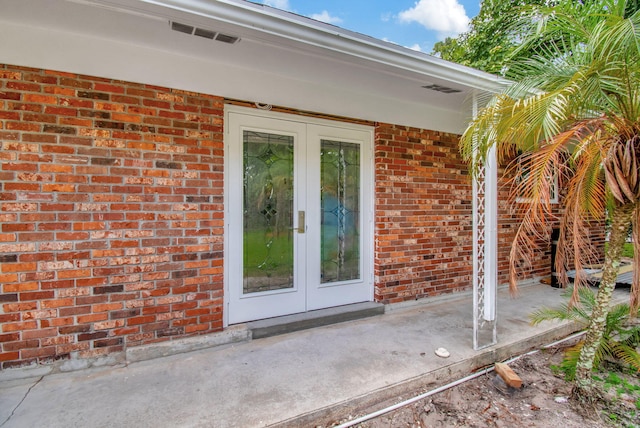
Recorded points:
267,210
340,206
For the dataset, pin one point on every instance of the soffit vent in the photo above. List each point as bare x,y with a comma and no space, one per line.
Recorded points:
183,28
443,89
225,38
207,34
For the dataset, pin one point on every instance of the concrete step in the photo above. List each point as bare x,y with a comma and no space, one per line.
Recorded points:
290,323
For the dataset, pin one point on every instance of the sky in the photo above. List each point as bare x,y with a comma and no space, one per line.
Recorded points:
416,24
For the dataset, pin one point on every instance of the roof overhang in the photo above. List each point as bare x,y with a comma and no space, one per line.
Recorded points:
281,58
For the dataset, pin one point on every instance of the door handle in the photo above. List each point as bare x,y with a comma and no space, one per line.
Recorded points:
301,223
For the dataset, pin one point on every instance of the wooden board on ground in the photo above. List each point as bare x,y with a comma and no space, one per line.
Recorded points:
508,375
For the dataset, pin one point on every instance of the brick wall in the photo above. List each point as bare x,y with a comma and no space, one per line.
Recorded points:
423,214
424,227
111,215
509,219
510,215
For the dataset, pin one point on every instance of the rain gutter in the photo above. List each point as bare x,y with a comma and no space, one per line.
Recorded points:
306,31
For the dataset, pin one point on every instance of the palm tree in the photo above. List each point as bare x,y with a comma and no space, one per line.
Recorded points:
573,115
620,338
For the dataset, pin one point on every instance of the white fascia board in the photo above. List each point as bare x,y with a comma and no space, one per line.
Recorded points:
304,30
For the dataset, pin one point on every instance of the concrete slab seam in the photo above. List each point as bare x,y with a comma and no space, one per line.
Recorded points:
26,394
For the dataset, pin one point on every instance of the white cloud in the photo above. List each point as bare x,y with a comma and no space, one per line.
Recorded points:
414,47
447,17
325,17
278,4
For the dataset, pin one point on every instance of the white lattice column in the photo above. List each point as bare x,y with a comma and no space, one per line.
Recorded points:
485,250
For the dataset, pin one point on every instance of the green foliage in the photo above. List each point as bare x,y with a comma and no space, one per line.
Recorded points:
450,49
619,341
267,253
494,40
613,379
627,250
490,40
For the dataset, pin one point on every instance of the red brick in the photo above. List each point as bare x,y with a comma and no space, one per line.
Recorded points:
40,99
10,95
92,318
19,326
130,118
107,307
38,352
37,295
5,74
141,320
105,87
74,310
11,337
9,356
18,267
59,91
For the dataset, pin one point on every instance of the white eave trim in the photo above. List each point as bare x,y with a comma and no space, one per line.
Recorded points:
308,31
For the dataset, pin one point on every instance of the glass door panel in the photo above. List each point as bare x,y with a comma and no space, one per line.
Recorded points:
340,211
267,212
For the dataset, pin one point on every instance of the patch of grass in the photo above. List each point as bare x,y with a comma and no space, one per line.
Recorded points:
621,385
613,379
267,252
622,401
557,370
627,250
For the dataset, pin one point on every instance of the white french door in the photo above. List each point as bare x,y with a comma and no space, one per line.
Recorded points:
299,214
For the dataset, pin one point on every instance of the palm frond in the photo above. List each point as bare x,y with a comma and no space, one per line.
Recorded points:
579,313
626,354
562,313
615,326
570,360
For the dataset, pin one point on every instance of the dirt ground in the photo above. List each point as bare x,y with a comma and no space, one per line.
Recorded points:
543,401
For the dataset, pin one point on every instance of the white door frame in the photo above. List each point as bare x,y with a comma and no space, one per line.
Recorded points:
367,189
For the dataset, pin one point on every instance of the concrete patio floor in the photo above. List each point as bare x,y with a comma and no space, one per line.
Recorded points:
306,378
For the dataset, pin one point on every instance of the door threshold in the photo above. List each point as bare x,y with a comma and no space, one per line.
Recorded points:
305,320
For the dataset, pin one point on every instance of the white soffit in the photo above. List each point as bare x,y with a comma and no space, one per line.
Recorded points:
281,58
